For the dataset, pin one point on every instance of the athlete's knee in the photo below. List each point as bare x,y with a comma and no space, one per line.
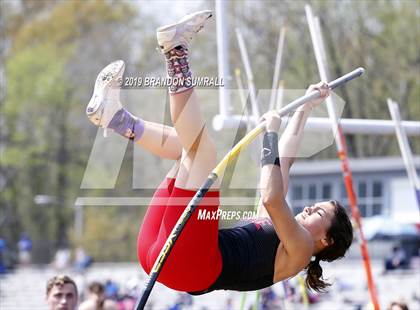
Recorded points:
204,145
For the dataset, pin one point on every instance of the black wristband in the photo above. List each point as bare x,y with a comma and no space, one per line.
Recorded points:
270,151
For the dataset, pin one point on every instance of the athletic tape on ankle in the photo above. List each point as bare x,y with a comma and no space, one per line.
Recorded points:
270,150
127,125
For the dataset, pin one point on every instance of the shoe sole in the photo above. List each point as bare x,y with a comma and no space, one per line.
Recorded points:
168,32
105,77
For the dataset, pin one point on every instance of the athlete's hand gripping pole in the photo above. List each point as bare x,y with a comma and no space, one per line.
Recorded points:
195,201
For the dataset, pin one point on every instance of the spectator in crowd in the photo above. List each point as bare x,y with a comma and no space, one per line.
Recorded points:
183,300
111,289
97,300
62,259
229,304
397,259
7,257
25,249
127,302
397,305
2,259
82,260
269,299
61,293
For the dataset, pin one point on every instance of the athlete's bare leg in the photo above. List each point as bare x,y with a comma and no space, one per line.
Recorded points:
198,149
105,110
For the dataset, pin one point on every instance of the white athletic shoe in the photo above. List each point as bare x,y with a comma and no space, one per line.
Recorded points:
105,101
182,32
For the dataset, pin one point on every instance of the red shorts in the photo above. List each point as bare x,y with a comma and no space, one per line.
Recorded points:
195,261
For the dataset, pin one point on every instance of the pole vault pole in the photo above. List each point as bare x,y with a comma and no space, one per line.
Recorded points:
277,67
249,74
279,95
405,148
214,175
242,96
320,56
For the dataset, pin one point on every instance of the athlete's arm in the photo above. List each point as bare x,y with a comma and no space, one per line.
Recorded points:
292,236
295,239
290,140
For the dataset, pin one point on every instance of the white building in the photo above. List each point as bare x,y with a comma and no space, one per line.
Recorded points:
380,183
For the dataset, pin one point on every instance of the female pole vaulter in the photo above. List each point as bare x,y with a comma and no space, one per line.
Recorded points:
247,257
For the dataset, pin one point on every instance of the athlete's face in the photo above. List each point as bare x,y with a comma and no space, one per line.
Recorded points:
317,219
62,297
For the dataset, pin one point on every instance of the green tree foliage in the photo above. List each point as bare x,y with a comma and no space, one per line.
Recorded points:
41,153
110,233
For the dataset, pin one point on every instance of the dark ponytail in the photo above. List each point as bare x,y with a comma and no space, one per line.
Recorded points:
314,276
340,235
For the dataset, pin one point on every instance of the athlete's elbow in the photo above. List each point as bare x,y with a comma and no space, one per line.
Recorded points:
286,163
270,201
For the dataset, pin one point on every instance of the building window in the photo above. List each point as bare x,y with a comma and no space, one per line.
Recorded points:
343,192
377,189
297,192
362,209
376,209
326,191
361,189
297,210
312,191
370,197
308,193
